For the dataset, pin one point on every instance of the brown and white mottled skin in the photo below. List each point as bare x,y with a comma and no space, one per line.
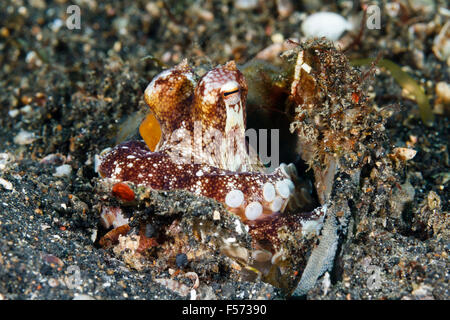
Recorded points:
226,173
169,96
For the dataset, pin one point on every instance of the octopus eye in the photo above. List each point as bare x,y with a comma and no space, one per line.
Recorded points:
231,92
228,93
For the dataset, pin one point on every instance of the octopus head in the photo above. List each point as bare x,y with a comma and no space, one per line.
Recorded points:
220,98
170,91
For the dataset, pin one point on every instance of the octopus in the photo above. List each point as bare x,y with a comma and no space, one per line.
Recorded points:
195,146
195,140
202,147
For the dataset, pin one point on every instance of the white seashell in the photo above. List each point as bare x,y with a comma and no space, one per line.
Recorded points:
325,24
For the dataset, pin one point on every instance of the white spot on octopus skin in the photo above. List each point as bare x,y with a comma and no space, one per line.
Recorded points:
254,210
234,198
199,173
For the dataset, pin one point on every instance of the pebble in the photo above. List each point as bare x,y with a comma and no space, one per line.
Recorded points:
277,38
4,32
443,92
326,283
272,52
52,282
121,24
246,4
63,170
94,235
33,59
284,8
53,158
13,113
153,9
52,260
325,24
418,58
392,9
205,14
83,297
26,109
441,44
181,260
56,25
5,158
39,4
405,153
422,6
423,292
6,184
442,102
444,11
23,11
97,163
24,137
149,230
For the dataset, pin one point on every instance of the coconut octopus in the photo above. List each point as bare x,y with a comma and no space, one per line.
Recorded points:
202,149
215,163
195,142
